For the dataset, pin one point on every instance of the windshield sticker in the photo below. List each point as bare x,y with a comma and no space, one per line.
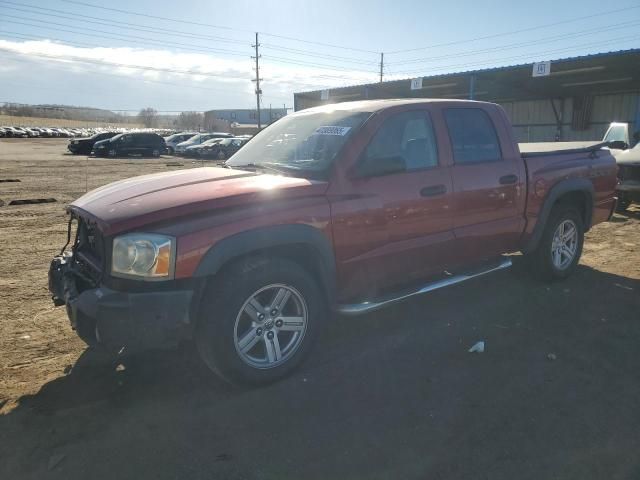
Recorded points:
341,131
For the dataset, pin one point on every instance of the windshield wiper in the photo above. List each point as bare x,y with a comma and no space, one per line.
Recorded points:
255,166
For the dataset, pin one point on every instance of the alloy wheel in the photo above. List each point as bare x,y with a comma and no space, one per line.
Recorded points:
270,326
564,244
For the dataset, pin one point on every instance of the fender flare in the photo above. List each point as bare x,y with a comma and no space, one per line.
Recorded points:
562,187
255,240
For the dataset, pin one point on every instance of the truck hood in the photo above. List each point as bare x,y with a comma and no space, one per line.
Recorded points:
132,203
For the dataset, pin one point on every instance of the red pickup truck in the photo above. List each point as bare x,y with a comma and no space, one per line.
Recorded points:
341,208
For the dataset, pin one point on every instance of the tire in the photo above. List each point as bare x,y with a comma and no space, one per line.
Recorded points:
544,259
221,337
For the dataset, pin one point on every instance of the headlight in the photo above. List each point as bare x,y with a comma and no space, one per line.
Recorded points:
147,255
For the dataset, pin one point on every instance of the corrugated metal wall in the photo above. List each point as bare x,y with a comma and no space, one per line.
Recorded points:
534,121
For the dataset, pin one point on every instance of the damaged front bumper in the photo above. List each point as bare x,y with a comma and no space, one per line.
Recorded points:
114,319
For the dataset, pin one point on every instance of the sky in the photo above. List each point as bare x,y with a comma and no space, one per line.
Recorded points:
196,54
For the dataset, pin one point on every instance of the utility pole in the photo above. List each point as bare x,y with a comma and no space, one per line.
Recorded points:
257,79
381,65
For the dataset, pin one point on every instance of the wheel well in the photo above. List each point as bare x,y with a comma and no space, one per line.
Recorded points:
304,255
578,200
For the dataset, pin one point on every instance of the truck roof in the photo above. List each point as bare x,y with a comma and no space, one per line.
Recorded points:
376,105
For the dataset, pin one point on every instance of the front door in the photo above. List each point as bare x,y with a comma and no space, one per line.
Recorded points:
392,223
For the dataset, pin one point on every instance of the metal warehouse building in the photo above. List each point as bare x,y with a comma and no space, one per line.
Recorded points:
566,99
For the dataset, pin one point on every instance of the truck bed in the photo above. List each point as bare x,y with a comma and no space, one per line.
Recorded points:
547,148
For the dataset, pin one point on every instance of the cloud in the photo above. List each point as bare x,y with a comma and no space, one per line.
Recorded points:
230,76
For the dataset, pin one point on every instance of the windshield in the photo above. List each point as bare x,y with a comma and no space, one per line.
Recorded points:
303,141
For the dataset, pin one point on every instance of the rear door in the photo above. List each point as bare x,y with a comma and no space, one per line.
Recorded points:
394,227
488,182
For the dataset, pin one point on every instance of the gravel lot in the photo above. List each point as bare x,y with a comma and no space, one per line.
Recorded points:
389,395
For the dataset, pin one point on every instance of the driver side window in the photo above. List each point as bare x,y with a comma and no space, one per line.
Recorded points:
404,142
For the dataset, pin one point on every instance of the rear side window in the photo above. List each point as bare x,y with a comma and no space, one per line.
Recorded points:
408,137
473,136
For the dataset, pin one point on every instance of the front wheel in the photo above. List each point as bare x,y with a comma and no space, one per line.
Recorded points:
558,253
258,320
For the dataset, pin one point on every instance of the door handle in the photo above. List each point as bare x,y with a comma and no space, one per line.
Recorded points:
433,190
508,179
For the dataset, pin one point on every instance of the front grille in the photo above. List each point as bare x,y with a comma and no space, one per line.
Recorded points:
629,172
90,244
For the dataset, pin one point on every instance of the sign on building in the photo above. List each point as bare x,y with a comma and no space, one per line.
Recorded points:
324,95
416,83
541,69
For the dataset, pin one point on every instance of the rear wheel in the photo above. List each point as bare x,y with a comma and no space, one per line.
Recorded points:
258,321
558,253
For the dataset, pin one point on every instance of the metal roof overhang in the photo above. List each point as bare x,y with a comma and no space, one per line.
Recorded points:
587,75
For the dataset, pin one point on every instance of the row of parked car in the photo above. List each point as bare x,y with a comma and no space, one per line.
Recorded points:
35,132
214,145
56,132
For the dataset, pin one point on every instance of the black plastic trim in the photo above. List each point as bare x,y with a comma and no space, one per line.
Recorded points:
253,241
564,186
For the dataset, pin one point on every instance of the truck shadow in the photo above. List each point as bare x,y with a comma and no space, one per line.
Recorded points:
391,366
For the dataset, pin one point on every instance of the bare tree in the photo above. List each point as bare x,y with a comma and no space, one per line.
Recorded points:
190,120
149,117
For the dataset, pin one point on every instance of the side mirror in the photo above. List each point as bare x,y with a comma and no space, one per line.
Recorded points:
619,145
376,167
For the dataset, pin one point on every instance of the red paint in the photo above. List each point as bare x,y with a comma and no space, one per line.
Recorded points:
383,230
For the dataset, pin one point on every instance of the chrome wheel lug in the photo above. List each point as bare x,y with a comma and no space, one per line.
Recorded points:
270,335
259,331
274,312
278,323
261,316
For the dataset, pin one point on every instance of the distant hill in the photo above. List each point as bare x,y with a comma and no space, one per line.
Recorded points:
66,112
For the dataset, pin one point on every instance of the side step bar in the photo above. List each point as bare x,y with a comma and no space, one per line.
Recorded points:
367,307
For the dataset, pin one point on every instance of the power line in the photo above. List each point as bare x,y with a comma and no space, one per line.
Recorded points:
148,29
529,29
129,12
121,37
318,55
118,24
313,64
33,37
279,59
521,44
154,42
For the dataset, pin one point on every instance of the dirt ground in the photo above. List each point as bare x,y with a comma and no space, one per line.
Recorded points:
389,395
